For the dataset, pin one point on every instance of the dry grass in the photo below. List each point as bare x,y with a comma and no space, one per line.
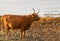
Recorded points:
46,29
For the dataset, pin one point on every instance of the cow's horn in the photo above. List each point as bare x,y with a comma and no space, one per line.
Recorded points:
33,10
38,11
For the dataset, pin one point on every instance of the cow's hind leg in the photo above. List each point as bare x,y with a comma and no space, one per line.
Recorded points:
7,32
2,30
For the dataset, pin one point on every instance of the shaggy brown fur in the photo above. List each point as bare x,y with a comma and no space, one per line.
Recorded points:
18,22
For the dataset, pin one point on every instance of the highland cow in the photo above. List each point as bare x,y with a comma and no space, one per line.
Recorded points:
22,22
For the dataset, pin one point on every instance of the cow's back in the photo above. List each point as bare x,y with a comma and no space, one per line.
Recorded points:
17,21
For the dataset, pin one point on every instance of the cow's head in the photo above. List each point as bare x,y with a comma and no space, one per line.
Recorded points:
35,15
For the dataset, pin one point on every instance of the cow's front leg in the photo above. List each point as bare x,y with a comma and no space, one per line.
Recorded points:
22,34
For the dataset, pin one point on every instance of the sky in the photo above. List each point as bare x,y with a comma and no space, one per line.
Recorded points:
23,7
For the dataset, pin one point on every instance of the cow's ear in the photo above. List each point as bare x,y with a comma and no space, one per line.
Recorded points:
32,15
